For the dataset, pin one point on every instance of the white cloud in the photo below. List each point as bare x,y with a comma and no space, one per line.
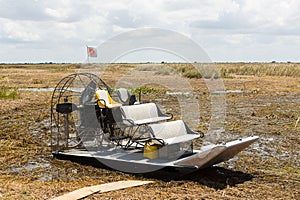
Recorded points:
236,39
13,30
218,25
22,10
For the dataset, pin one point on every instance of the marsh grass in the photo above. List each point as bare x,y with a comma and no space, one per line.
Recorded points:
228,70
188,70
184,69
63,67
57,66
196,70
259,69
119,67
158,69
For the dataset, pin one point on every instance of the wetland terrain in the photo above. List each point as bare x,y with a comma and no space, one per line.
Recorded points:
262,99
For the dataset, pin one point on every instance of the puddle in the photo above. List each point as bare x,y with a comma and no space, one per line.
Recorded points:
40,129
79,90
178,93
37,89
265,148
226,91
31,166
43,170
268,148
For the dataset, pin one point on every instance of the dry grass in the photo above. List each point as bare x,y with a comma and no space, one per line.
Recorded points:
268,107
228,70
260,69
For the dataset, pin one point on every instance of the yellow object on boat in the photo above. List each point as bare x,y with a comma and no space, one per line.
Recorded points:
150,150
104,100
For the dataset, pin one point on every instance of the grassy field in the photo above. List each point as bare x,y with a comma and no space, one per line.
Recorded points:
267,104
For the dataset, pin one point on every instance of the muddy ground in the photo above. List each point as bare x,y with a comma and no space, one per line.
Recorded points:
267,106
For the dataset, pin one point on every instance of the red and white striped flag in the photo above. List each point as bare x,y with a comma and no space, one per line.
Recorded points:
92,52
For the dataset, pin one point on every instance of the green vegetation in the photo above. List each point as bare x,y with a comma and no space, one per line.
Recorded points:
7,92
37,81
146,90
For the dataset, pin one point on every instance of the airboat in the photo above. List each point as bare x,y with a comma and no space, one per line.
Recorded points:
90,120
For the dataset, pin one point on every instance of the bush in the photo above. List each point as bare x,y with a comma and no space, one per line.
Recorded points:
7,92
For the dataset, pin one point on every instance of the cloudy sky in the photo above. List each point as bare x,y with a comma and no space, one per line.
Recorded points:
228,30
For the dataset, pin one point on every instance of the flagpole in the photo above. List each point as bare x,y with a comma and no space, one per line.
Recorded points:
87,53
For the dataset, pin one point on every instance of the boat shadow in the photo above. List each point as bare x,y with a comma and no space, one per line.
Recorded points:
214,177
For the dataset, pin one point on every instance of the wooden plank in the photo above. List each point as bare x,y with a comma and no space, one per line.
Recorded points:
86,191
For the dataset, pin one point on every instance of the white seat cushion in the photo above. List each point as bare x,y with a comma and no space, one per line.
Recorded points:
173,132
143,113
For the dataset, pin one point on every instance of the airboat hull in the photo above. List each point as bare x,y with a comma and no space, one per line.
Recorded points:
135,162
214,154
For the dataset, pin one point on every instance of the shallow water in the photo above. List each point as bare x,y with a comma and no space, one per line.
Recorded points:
226,91
32,165
37,89
49,89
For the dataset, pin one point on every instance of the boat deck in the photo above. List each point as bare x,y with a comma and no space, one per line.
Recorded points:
135,160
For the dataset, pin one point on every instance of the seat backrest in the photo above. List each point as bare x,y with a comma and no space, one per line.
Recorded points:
169,129
102,96
104,99
140,111
124,96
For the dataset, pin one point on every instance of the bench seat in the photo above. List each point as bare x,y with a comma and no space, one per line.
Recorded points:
143,114
173,132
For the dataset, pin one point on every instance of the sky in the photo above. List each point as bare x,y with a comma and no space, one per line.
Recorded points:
227,30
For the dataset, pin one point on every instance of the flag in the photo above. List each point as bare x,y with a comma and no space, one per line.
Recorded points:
92,52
